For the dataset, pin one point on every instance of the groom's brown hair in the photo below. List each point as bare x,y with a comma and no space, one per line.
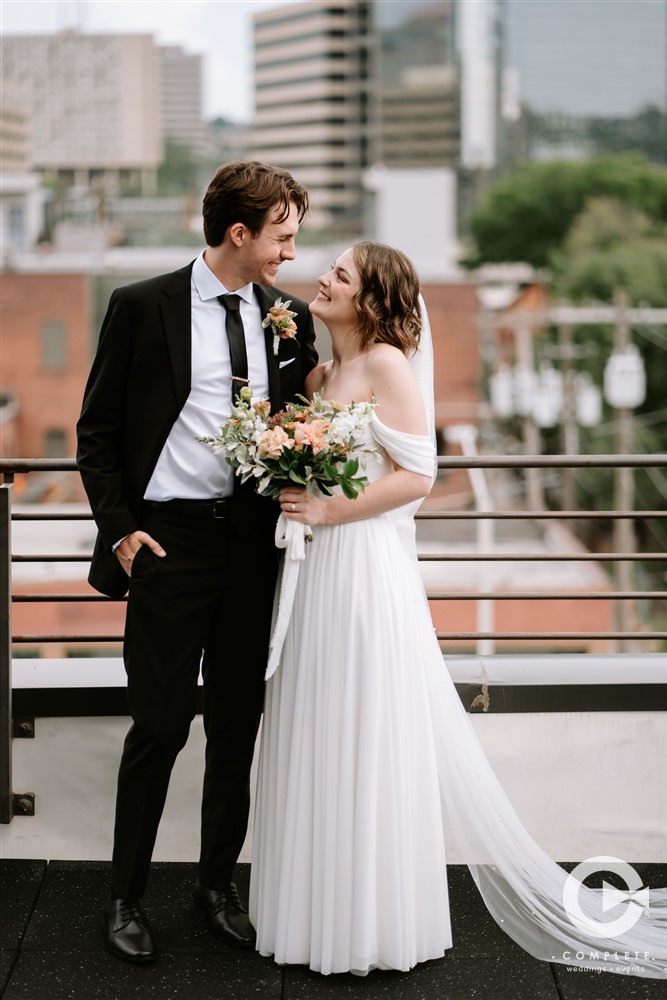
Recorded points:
246,191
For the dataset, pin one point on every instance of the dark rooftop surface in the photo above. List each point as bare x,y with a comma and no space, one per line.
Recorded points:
51,949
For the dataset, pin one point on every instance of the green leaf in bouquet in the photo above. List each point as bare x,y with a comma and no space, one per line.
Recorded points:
351,466
296,478
353,487
349,489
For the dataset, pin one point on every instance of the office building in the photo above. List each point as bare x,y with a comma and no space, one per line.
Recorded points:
94,104
14,132
416,81
587,77
365,83
311,98
21,197
181,96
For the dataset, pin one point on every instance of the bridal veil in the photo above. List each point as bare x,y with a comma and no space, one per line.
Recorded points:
550,914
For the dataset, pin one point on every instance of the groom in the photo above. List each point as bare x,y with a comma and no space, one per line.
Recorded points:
193,546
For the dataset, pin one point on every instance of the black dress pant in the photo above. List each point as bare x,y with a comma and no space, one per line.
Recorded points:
208,600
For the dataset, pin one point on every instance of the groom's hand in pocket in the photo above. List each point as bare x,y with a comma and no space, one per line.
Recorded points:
131,544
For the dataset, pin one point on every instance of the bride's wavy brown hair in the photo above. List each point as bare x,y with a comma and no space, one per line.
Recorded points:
387,302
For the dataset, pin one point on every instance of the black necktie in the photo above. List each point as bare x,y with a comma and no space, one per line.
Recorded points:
236,338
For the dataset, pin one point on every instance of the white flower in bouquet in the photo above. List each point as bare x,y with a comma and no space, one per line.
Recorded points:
308,444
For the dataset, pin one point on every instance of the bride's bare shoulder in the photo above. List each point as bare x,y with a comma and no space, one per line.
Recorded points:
384,359
393,384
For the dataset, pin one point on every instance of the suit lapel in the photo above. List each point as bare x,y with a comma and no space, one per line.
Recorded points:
266,298
177,318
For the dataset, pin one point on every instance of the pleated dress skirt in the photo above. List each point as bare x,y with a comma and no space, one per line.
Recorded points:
348,868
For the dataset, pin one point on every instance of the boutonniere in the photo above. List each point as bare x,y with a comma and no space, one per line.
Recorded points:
280,319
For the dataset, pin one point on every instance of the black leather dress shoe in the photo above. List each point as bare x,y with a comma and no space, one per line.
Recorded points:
225,914
127,933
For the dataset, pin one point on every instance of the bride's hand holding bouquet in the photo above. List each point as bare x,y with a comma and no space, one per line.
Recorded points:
300,455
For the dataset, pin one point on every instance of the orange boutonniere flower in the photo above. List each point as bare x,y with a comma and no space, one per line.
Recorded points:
280,319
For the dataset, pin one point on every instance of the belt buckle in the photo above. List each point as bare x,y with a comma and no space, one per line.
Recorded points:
220,509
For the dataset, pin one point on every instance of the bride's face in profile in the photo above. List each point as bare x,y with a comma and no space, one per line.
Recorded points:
334,303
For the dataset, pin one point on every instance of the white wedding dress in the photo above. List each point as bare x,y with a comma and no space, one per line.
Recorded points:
365,748
348,865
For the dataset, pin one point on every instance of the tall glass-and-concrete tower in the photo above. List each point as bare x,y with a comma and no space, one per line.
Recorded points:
588,76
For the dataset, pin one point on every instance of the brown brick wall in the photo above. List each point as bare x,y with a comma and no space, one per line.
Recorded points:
448,616
51,399
529,616
48,399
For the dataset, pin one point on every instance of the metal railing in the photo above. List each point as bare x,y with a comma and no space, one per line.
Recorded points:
12,467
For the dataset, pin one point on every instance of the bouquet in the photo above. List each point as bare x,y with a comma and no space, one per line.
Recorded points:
306,444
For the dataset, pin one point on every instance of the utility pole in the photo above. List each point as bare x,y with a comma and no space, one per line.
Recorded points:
624,532
570,436
531,435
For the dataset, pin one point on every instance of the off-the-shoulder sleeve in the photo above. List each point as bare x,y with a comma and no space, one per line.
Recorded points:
413,452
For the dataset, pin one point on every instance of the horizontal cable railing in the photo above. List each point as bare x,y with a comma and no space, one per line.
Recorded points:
622,595
9,468
15,466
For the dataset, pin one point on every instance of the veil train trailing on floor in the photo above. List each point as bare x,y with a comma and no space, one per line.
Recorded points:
522,887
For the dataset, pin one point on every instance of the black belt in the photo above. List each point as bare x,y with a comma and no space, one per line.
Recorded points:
218,509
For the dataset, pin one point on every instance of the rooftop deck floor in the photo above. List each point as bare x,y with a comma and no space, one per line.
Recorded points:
51,949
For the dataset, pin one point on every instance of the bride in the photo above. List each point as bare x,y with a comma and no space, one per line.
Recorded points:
366,749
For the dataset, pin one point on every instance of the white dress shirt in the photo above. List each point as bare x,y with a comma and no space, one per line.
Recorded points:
186,468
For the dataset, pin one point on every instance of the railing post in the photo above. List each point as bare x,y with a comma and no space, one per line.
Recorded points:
6,497
624,538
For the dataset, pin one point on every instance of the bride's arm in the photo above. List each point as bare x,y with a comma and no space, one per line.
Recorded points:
399,406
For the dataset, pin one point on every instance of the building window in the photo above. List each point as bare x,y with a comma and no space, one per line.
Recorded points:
54,344
55,443
16,226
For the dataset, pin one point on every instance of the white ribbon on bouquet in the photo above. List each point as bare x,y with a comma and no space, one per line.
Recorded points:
290,536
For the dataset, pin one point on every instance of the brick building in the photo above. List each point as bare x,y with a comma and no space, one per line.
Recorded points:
49,327
46,322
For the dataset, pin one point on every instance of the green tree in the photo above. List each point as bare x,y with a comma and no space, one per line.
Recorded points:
527,214
178,174
612,245
598,226
645,131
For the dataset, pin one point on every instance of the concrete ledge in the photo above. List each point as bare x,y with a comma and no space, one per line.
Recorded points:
501,683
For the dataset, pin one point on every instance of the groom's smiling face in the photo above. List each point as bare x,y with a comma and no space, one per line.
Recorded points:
259,257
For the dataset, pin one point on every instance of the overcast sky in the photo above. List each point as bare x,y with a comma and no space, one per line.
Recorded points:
221,30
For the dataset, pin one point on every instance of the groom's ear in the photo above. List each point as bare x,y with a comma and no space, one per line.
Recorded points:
238,234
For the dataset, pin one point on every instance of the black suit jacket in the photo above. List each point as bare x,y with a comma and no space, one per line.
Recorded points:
138,384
